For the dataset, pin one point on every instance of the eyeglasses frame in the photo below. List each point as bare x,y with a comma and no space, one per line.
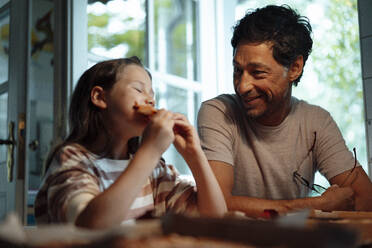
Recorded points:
307,184
304,181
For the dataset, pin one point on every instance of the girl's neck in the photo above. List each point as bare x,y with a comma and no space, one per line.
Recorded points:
118,148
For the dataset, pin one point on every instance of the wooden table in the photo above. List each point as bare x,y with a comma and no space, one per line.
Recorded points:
361,222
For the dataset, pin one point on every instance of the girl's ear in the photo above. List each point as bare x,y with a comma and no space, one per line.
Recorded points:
97,96
295,69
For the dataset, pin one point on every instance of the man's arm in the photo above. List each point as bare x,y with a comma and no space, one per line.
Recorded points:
360,183
334,198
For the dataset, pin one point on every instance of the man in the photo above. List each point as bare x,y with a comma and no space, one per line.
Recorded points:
265,145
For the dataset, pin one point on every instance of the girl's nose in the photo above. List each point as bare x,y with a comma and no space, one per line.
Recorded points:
150,101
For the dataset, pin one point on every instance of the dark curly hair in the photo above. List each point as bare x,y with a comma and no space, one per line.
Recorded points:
289,32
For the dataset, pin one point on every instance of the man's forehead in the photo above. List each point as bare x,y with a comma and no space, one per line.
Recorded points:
252,52
243,43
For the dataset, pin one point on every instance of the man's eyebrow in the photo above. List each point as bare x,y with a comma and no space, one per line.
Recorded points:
252,64
260,65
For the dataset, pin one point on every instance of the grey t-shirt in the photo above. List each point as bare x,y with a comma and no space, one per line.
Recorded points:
265,157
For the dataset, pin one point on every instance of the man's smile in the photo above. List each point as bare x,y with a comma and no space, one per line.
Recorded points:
251,99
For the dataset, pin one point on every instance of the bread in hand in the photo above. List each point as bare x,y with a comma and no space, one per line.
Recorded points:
145,109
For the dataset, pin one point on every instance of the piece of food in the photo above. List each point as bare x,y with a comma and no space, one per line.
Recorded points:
146,109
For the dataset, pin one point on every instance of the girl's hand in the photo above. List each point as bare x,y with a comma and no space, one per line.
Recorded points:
210,199
186,138
159,132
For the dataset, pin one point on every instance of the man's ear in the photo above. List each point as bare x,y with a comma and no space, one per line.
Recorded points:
295,69
97,96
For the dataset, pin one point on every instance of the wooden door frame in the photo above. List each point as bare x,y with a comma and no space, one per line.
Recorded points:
70,60
70,57
19,60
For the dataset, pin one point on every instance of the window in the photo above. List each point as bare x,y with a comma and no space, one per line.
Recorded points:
332,75
116,29
4,61
163,34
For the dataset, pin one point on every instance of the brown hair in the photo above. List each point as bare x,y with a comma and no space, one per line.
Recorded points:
289,32
86,121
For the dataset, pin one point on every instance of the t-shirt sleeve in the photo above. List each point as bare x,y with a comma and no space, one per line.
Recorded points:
70,174
333,156
215,128
171,192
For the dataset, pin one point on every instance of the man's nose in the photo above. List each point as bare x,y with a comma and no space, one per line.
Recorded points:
245,85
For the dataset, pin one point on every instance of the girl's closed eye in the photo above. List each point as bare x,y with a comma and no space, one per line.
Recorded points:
138,89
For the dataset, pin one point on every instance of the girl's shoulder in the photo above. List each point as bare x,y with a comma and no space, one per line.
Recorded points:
71,156
73,152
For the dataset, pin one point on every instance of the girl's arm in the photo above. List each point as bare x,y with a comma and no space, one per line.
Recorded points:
210,197
112,206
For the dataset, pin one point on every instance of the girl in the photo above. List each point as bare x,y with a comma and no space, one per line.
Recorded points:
101,175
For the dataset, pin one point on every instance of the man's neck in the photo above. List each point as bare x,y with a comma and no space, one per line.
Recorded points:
278,115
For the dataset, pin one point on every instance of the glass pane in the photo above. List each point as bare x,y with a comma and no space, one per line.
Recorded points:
181,101
176,99
4,62
3,126
332,75
116,29
4,43
175,37
40,95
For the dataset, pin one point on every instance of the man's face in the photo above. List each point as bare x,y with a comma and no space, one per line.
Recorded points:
261,83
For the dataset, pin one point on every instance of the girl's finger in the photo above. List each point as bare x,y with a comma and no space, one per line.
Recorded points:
179,116
181,123
182,127
162,114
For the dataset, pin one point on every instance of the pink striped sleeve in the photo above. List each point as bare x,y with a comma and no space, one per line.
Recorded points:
171,193
69,177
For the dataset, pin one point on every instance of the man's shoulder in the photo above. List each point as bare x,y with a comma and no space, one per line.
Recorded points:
303,107
311,114
230,98
223,101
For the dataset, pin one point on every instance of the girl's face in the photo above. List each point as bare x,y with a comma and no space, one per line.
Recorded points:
133,86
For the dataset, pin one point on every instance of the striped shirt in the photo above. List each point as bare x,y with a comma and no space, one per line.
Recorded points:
74,171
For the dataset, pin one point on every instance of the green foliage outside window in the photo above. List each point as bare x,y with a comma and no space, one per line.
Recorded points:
98,35
339,65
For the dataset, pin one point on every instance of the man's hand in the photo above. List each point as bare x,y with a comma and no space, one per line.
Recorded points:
361,185
337,198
